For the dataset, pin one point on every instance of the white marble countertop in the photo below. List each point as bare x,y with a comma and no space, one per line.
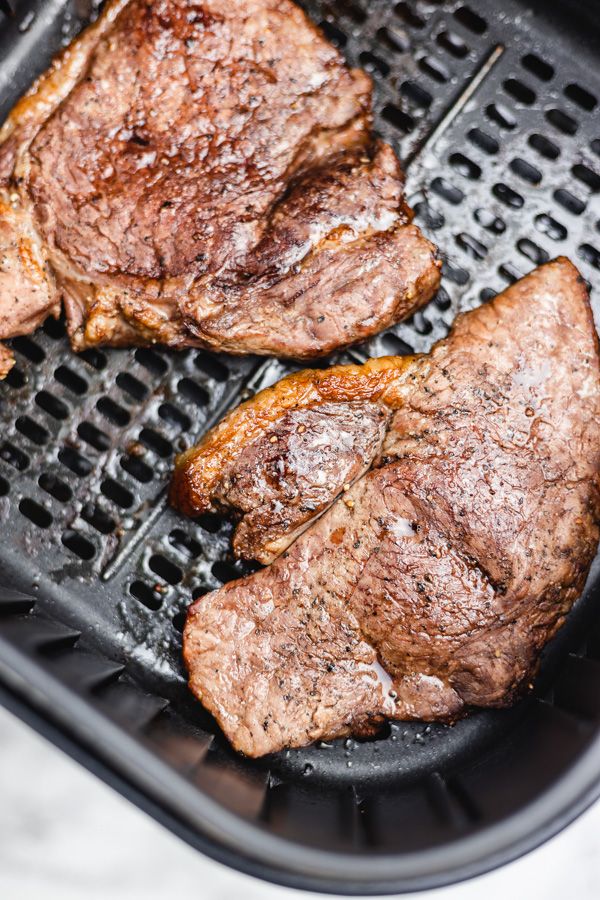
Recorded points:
64,835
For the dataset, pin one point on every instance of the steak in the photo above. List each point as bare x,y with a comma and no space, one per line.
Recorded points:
205,174
277,488
304,415
433,583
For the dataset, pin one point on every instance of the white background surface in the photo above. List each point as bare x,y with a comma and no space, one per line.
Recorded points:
64,835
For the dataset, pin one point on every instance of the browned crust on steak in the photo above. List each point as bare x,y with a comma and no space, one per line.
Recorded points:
28,292
50,89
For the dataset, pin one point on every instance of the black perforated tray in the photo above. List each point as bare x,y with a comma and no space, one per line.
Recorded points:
494,109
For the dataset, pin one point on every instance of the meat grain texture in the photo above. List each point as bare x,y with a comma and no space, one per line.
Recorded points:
205,174
431,584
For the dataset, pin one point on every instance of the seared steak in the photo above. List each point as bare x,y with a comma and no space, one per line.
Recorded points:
435,581
277,487
204,173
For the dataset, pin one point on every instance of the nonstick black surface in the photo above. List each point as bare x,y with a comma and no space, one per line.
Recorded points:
495,110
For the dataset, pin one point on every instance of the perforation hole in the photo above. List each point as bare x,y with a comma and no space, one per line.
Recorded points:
442,299
55,328
416,94
211,367
455,273
165,569
465,166
394,39
506,195
373,63
151,361
581,97
193,392
395,345
94,358
590,178
4,487
36,513
562,121
333,34
75,461
32,430
474,248
15,378
14,456
209,522
29,349
532,251
483,140
78,544
501,115
352,10
155,442
434,68
421,323
550,227
569,201
184,544
137,468
453,44
409,16
526,171
131,385
97,518
447,191
489,221
174,416
71,380
521,92
55,487
52,405
117,493
509,272
486,294
590,254
430,217
142,592
224,571
179,620
200,591
471,20
93,436
398,118
113,412
544,146
538,67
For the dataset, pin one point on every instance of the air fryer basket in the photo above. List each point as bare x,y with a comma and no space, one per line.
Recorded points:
494,109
